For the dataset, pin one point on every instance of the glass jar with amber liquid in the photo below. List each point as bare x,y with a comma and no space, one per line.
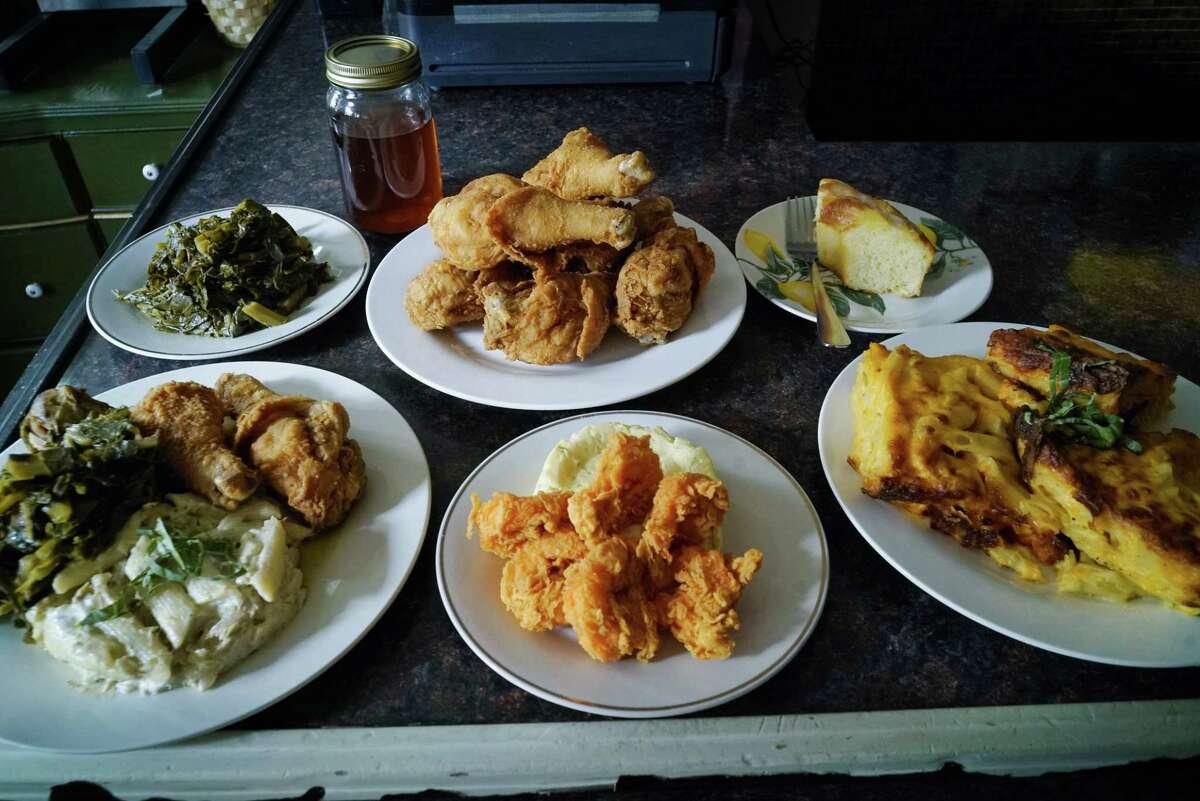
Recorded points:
383,132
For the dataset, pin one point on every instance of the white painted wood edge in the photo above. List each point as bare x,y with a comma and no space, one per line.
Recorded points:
363,763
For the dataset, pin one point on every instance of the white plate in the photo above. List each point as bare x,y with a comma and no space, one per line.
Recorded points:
352,574
333,240
455,362
779,609
1143,633
958,283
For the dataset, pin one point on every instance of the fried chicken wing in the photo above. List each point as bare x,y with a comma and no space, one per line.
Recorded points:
300,446
442,296
531,585
622,492
659,284
583,167
605,602
528,222
458,223
554,319
688,509
507,522
700,610
188,418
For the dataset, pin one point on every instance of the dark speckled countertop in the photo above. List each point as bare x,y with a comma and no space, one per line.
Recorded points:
1102,238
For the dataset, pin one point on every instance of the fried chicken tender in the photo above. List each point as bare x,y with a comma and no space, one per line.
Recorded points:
188,418
300,446
622,492
458,223
604,600
442,296
700,610
688,509
508,522
531,585
528,222
659,284
583,167
554,319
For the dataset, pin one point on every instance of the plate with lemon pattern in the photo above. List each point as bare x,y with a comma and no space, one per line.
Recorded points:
957,283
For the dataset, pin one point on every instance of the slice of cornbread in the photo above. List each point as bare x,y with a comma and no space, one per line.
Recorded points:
867,243
1137,389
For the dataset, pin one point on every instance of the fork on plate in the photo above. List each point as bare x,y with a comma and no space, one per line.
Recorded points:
801,246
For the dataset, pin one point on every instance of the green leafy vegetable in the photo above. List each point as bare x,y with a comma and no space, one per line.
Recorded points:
88,470
175,558
204,276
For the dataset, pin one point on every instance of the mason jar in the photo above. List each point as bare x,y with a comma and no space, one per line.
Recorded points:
383,131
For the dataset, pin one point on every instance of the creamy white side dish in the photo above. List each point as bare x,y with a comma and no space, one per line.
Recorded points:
186,591
571,465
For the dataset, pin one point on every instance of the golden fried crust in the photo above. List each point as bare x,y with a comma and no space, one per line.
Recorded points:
688,509
531,585
442,296
507,522
458,224
658,286
935,434
583,167
533,220
1137,389
604,601
621,493
700,610
1136,513
554,319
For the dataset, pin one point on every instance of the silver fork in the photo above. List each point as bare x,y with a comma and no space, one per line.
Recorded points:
801,245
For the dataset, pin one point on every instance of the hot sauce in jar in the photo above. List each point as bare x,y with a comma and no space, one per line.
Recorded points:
383,132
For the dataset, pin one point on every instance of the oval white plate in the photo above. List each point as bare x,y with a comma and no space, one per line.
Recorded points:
958,283
1143,633
779,609
333,240
352,574
455,362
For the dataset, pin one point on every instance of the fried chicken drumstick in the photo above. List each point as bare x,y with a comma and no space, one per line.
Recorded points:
188,419
300,445
529,222
583,167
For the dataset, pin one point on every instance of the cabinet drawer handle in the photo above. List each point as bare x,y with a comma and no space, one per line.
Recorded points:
34,291
150,172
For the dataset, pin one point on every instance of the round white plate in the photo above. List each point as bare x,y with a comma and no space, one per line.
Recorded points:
779,609
333,240
1143,633
957,284
352,574
455,362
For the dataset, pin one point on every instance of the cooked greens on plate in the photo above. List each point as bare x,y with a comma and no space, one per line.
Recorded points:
226,276
89,467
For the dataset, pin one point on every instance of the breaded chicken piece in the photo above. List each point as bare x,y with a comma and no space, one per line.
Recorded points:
554,319
659,284
188,418
622,491
442,296
531,585
530,221
688,509
507,522
604,600
300,446
458,224
583,167
653,215
700,610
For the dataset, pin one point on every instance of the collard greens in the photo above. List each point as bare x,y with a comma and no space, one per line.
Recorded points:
227,276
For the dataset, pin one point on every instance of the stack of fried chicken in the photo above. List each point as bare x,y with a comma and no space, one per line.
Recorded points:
550,261
582,559
296,444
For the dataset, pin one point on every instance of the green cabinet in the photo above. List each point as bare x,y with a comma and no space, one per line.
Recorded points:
112,163
52,261
33,188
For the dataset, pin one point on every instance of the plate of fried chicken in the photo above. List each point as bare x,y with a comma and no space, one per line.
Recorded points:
632,564
512,291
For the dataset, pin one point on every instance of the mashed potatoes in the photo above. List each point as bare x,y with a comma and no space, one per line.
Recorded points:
229,581
571,465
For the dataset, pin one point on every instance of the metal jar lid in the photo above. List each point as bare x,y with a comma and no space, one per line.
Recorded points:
372,62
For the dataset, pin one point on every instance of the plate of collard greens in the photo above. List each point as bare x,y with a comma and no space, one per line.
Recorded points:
228,282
